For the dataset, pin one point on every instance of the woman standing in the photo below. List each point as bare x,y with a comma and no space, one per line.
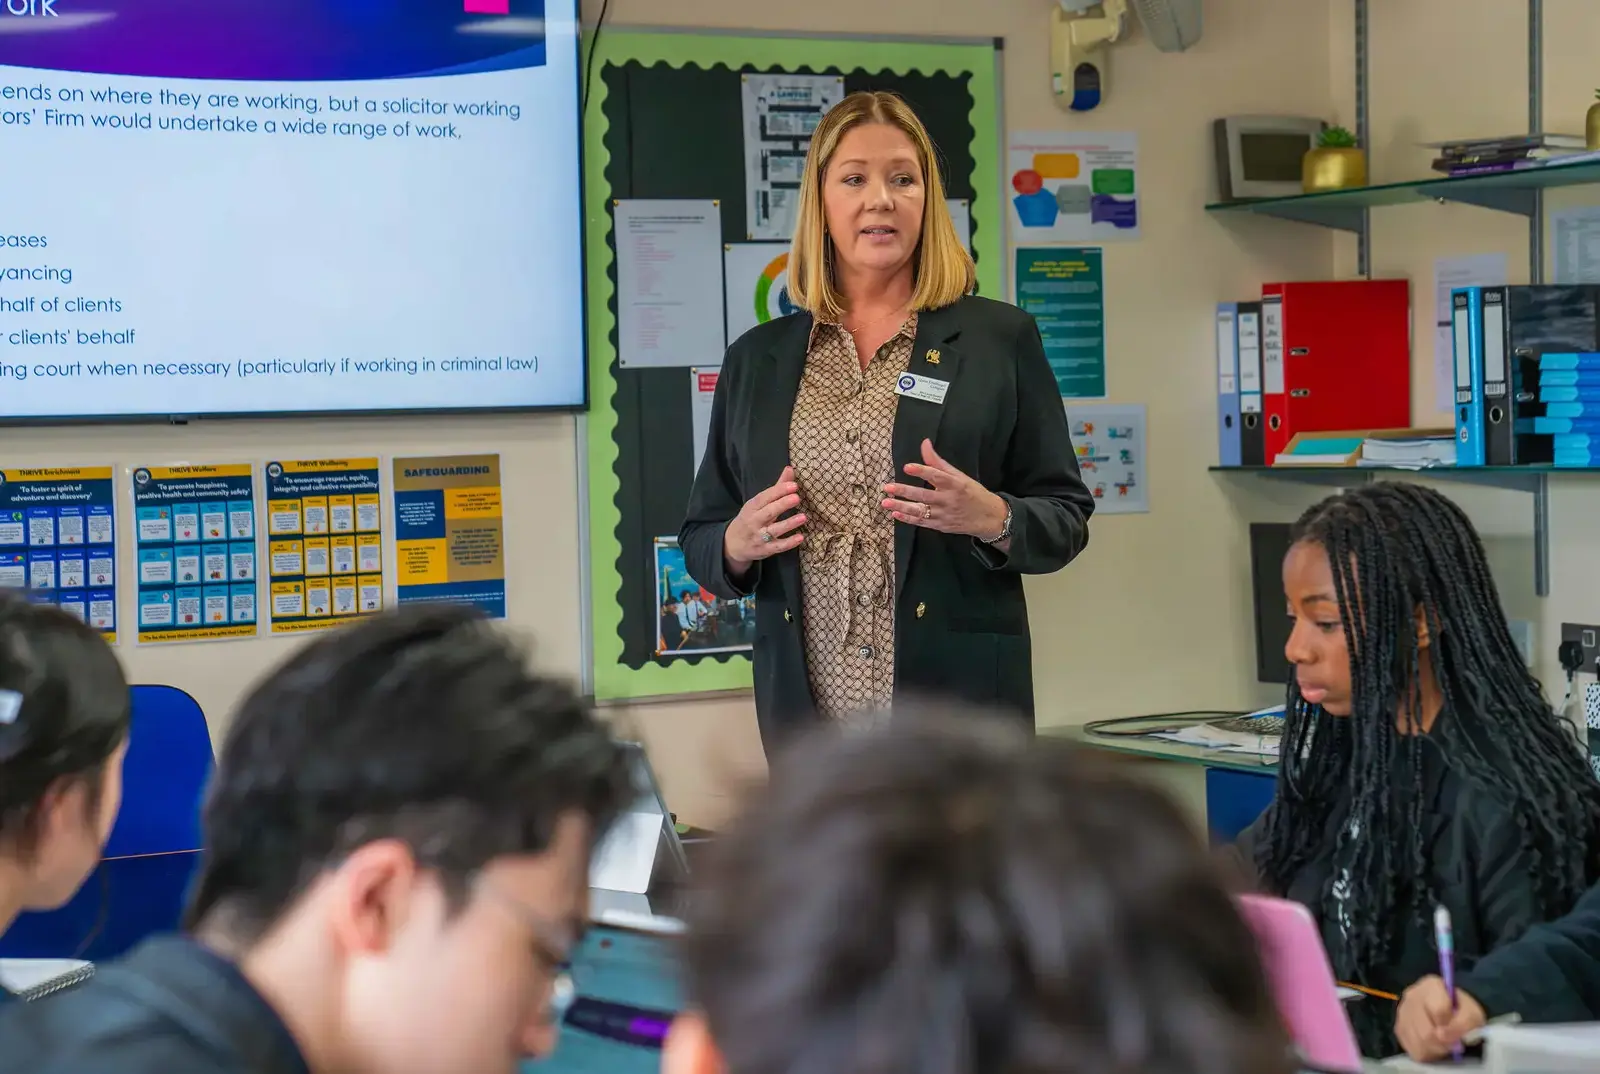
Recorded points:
64,711
898,451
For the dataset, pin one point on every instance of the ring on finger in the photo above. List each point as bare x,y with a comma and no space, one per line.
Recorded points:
766,537
927,511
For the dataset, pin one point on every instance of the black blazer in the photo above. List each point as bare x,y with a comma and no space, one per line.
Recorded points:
961,620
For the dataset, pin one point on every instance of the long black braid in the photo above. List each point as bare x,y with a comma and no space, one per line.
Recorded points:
1395,549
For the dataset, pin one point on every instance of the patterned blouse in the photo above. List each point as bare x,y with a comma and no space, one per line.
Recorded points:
840,444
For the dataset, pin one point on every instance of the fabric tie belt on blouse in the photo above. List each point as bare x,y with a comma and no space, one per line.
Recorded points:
841,551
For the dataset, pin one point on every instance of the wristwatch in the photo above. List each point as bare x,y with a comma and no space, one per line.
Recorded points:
1005,529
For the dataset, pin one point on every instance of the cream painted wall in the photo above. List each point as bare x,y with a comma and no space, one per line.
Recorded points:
1154,616
1458,68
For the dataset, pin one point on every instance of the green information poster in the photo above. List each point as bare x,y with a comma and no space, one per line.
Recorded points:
1064,288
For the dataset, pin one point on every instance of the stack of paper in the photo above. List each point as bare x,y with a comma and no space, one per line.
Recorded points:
1557,1049
1417,453
1212,738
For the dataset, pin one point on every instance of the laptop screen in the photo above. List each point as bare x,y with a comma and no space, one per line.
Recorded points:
628,992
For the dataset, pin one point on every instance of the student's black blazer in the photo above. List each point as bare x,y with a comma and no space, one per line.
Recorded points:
961,620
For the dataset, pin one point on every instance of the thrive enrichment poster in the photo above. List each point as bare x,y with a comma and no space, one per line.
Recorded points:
449,540
324,542
58,540
196,532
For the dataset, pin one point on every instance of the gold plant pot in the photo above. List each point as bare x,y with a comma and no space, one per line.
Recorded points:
1591,127
1333,168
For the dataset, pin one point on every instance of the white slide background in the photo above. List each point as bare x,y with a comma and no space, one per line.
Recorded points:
305,254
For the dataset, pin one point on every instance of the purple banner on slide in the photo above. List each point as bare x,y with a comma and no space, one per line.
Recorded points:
276,40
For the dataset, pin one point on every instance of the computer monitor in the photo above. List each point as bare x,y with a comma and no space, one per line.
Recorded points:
625,974
1269,543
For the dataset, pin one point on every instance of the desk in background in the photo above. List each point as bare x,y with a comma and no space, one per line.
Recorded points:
1225,791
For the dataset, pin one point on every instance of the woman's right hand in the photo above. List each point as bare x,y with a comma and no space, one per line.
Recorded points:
759,529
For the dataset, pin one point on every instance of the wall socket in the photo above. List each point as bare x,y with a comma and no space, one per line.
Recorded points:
1587,636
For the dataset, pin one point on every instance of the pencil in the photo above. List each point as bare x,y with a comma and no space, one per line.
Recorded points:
1373,992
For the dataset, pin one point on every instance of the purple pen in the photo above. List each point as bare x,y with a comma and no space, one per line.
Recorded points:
1444,937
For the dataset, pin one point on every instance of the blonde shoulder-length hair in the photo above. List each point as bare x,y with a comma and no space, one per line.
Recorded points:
943,268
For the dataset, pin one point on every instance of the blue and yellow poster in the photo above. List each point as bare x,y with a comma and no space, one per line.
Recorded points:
449,541
195,528
324,542
58,540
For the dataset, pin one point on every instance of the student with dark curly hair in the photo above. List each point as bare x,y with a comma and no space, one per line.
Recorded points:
64,710
1421,764
961,898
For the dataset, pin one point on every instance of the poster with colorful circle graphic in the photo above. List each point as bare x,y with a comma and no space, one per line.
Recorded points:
756,275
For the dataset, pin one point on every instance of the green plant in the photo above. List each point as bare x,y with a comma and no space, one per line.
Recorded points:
1336,138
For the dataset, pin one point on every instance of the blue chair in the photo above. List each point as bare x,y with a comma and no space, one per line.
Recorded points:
140,885
1234,800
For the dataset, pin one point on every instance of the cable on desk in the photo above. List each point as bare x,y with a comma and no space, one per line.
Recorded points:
1099,727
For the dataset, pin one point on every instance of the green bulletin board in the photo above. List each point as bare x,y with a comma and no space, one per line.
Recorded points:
655,125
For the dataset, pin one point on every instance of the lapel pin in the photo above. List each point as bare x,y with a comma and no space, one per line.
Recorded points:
933,357
922,610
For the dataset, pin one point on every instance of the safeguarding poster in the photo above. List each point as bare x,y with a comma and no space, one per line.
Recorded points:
1064,289
196,532
449,538
1074,187
58,539
325,542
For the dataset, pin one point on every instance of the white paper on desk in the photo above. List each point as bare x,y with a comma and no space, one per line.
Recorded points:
1575,244
669,283
1548,1049
1213,738
1472,270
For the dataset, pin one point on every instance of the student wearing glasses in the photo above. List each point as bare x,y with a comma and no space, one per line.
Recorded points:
63,733
397,840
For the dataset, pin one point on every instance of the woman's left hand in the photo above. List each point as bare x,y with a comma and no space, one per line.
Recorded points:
955,503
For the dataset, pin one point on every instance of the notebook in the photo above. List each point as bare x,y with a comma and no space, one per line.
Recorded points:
35,978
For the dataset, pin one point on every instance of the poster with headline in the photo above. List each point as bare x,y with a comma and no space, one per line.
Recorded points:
195,530
324,542
448,532
58,540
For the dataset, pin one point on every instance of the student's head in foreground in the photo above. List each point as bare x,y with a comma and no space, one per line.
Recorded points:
960,898
64,710
397,844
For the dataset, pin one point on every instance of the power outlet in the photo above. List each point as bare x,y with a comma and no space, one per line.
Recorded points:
1588,637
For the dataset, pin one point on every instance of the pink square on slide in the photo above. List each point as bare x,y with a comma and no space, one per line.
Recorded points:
487,7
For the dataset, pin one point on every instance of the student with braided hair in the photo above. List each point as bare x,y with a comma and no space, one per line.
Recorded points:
1421,763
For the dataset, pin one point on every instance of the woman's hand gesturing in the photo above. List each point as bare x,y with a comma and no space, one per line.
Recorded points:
759,529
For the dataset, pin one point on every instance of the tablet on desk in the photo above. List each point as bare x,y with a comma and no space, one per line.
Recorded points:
1302,982
625,975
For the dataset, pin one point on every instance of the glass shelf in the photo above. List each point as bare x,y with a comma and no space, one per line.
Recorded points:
1534,480
1508,192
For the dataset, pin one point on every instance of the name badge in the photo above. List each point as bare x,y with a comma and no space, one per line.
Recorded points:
928,389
